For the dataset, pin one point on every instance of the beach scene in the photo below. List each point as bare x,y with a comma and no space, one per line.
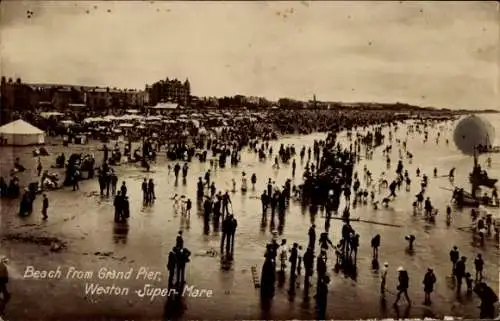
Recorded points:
156,204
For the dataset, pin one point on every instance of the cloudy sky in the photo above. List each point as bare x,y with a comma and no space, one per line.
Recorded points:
441,54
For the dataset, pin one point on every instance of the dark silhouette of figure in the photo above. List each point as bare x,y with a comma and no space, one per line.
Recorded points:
375,245
45,206
171,264
488,300
460,272
411,239
4,279
429,281
308,266
479,264
312,237
294,256
454,256
182,259
404,281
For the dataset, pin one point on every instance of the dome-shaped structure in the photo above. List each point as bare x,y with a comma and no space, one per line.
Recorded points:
471,132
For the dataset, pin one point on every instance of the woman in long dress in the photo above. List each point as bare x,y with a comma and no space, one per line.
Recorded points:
244,182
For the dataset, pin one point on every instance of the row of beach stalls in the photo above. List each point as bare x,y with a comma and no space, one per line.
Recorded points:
172,126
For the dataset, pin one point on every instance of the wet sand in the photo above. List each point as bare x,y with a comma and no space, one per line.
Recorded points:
85,221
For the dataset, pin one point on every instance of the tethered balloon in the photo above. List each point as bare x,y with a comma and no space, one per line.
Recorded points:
471,132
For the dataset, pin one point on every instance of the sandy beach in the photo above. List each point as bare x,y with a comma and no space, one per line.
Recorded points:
84,222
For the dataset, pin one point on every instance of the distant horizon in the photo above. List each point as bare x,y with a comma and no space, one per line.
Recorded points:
478,109
429,54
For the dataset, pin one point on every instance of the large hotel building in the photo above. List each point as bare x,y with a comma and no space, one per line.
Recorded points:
167,90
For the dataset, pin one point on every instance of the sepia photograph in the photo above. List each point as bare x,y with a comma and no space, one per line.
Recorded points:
249,160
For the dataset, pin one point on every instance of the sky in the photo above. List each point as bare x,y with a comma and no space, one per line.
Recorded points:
441,54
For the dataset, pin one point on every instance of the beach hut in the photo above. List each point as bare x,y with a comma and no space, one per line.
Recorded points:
21,133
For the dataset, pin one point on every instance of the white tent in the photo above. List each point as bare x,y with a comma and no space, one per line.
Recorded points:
21,133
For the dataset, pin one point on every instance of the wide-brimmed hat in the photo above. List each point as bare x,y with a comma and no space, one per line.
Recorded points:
386,264
400,269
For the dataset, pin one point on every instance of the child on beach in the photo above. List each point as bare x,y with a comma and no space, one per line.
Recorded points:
299,259
175,198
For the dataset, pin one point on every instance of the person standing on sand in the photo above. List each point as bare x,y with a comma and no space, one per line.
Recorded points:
179,241
264,199
4,279
118,204
429,281
383,278
151,196
45,206
253,180
189,205
182,259
460,273
144,188
294,257
283,255
404,281
479,264
171,265
39,166
226,200
75,181
232,231
114,182
225,237
312,237
308,265
454,256
123,189
375,243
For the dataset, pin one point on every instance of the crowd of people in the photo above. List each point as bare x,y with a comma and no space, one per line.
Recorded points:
330,178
